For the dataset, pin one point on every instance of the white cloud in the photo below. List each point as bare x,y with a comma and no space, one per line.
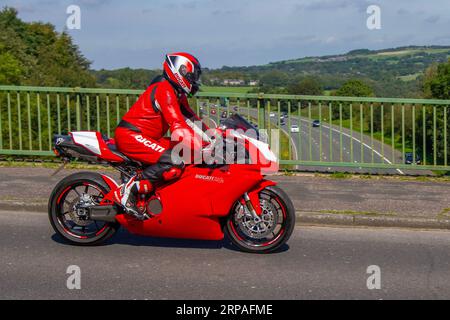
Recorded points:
238,32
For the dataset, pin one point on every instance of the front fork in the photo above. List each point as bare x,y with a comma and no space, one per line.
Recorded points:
251,199
251,208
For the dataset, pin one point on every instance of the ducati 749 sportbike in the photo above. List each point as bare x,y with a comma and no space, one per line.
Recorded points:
205,203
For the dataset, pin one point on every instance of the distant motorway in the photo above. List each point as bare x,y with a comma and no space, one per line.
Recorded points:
313,144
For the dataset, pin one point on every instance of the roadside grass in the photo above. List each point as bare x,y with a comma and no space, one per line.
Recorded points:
284,148
285,144
53,165
443,179
444,214
441,173
288,173
340,175
284,170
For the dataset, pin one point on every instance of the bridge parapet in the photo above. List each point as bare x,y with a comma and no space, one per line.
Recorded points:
357,133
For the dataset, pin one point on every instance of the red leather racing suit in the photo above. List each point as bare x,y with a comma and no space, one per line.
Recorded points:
140,134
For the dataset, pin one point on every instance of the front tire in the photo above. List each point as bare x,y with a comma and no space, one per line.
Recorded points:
64,219
279,222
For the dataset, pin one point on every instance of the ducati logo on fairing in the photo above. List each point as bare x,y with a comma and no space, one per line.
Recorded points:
149,144
209,178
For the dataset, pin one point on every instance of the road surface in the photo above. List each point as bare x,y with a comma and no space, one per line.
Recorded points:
318,263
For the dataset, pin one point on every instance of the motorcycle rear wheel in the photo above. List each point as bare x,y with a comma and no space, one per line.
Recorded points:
64,220
279,222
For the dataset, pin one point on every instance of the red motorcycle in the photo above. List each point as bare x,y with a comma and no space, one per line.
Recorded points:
206,202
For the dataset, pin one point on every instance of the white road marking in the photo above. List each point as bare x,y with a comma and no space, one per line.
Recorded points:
364,144
347,135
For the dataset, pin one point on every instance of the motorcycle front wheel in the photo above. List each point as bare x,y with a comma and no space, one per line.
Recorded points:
272,232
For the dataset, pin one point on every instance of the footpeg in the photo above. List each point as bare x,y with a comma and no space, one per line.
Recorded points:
138,215
141,216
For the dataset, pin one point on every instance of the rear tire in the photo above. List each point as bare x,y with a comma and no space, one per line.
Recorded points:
59,208
279,201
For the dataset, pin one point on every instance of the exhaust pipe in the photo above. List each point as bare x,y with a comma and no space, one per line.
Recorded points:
103,213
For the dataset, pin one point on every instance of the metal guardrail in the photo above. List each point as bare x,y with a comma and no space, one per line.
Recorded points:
367,133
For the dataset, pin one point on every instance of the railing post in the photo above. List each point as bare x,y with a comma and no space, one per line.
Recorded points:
261,111
78,112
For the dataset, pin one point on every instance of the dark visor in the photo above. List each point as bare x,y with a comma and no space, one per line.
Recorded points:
192,77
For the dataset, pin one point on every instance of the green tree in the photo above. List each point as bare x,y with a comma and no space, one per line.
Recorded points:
35,54
10,70
274,78
355,88
351,88
125,78
308,86
436,85
437,81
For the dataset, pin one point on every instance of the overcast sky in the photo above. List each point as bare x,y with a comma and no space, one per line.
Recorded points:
137,33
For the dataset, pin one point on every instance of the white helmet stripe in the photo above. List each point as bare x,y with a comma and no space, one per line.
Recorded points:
175,62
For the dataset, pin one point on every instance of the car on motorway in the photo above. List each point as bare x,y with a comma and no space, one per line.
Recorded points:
203,108
213,111
316,123
409,158
272,115
295,128
282,122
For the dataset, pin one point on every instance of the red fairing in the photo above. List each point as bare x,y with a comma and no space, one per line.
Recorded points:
106,153
194,204
114,194
110,182
254,194
193,200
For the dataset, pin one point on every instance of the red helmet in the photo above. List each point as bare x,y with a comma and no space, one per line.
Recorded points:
183,70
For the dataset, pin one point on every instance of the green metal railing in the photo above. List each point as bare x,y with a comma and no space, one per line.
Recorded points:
366,133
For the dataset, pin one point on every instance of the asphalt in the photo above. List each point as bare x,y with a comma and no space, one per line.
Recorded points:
317,263
356,201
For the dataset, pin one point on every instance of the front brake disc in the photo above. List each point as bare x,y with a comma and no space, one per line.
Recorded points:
253,229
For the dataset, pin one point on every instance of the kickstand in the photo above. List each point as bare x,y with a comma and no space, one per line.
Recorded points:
63,164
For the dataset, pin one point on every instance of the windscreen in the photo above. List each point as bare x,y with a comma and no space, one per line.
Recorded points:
238,122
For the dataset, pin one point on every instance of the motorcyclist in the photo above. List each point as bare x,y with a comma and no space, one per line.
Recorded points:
140,133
